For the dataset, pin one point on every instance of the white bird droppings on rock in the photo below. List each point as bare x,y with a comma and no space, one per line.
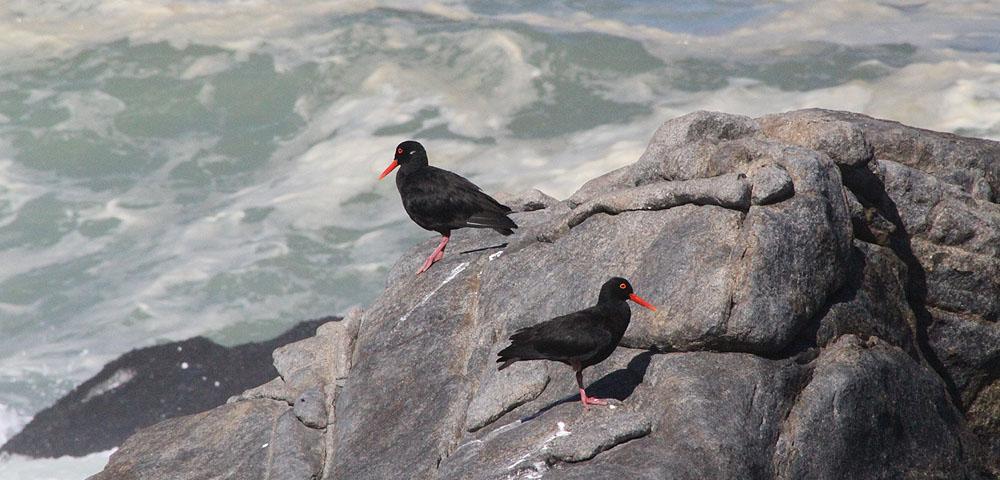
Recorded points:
540,468
451,276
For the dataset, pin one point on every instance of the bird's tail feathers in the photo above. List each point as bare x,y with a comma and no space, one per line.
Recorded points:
515,353
496,220
506,362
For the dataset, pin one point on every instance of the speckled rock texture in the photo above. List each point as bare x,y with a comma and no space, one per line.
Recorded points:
828,293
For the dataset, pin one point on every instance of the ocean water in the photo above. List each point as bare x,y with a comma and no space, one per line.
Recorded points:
208,167
19,467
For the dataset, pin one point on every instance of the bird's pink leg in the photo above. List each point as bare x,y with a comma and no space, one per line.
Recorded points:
440,249
584,399
436,255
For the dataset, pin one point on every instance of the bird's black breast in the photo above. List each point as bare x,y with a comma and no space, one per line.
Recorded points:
426,199
615,317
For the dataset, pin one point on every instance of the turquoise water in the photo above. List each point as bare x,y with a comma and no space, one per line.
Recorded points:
209,167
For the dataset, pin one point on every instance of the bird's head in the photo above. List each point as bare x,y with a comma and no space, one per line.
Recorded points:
408,152
620,289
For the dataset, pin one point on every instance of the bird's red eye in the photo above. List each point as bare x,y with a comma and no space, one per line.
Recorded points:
623,286
399,151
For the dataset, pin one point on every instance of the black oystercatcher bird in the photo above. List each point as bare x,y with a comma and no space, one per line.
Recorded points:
580,339
442,201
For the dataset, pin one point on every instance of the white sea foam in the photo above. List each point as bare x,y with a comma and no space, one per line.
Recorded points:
11,422
117,379
18,467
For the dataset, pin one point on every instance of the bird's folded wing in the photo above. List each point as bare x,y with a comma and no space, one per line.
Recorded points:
463,191
572,336
456,202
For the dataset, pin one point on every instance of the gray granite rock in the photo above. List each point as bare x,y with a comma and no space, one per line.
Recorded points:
690,277
872,302
273,390
410,364
610,181
827,309
303,365
984,420
696,145
593,439
954,237
842,140
233,441
793,255
310,408
972,164
318,362
526,200
297,451
672,419
949,241
968,348
870,412
503,391
729,191
770,184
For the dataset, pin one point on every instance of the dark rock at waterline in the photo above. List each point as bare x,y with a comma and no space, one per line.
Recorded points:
146,386
828,288
278,430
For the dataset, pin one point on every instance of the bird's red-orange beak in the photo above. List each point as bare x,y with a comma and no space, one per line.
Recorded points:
637,299
388,169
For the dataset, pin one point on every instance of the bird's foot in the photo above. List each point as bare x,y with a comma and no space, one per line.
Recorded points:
586,401
427,263
436,255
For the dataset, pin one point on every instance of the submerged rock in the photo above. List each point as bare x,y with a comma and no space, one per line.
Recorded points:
828,289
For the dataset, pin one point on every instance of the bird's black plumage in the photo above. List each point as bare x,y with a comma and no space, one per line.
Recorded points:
581,338
442,201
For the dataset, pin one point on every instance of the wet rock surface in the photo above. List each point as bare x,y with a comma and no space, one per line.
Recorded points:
828,289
